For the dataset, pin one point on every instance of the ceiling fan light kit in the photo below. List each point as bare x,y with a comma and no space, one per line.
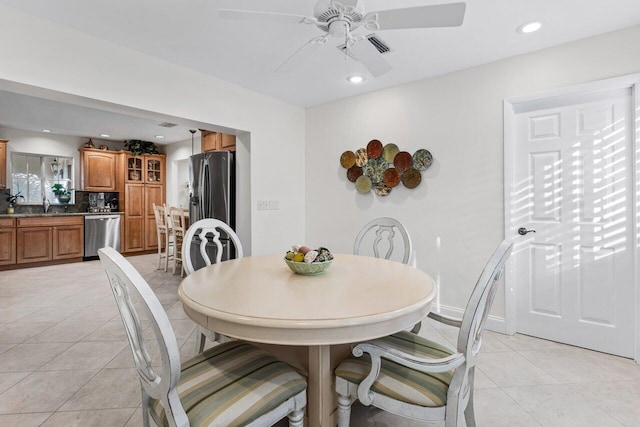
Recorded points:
339,19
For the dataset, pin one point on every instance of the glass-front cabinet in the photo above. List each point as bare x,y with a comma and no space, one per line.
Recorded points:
155,169
145,169
134,168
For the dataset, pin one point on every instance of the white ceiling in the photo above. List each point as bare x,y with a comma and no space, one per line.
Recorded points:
189,33
35,114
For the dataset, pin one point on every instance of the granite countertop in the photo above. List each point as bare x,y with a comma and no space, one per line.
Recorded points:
32,215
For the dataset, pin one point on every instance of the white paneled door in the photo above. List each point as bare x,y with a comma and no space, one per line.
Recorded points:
573,186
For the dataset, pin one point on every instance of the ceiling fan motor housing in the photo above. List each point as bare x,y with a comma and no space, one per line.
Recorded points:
328,11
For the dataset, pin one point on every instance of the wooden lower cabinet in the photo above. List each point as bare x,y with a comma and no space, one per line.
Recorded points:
68,242
154,194
134,218
134,232
42,239
34,244
7,242
140,226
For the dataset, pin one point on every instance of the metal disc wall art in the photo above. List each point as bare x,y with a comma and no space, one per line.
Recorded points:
381,167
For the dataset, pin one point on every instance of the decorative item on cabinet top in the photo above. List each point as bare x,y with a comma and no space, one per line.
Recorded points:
138,147
381,167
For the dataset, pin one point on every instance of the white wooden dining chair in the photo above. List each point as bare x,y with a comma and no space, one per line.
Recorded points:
203,229
165,236
231,384
385,229
419,379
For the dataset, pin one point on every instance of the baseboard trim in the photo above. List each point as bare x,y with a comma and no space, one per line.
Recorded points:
494,323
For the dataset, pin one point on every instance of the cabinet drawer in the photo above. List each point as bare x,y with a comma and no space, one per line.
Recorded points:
50,221
7,222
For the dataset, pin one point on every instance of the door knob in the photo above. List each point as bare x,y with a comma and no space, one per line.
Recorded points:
523,231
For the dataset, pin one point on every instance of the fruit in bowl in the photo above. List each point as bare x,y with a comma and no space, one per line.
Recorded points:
306,261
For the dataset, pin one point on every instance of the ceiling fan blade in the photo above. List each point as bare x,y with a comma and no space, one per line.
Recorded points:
301,55
368,55
439,15
264,16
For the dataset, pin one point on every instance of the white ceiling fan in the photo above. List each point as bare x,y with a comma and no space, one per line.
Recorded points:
339,19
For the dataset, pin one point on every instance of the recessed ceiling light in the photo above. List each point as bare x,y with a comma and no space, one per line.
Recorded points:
105,135
160,136
355,79
46,130
529,27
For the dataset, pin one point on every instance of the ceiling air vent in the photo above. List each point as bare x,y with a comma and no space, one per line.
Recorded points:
167,125
376,42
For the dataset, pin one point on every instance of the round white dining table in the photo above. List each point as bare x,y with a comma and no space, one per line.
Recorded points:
309,322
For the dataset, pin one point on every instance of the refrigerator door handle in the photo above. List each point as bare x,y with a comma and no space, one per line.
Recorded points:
201,189
207,188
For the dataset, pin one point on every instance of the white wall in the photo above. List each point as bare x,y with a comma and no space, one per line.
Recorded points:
455,216
23,141
43,54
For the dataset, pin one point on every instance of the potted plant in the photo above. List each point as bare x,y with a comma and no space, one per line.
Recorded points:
138,147
62,194
13,199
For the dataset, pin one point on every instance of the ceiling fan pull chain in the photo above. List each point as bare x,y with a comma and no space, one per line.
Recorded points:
347,37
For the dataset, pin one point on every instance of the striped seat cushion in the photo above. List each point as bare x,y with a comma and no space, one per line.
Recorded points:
399,382
231,385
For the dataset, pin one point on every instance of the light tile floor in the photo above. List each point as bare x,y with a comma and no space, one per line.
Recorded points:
64,361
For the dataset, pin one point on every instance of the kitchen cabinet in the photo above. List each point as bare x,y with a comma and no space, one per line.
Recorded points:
68,241
154,194
145,169
144,185
45,239
3,163
216,141
98,170
7,241
134,218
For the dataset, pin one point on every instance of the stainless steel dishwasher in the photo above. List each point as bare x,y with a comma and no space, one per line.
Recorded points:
100,231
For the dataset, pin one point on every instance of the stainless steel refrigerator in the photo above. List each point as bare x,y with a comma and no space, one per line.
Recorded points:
212,195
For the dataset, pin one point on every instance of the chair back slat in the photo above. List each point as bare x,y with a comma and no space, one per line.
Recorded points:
385,227
203,229
178,218
480,302
158,213
134,296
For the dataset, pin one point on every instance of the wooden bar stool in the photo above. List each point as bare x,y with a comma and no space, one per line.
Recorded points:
164,236
178,217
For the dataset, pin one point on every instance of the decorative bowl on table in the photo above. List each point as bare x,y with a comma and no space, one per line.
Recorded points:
308,262
308,268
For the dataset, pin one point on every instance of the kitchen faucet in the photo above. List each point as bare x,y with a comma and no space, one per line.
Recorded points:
45,204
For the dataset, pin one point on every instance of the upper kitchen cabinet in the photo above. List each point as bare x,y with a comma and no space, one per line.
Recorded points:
145,169
3,163
216,141
98,170
154,169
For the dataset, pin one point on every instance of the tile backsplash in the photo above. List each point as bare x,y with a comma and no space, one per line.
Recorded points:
81,204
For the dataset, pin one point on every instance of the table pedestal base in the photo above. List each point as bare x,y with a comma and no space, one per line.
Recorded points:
317,363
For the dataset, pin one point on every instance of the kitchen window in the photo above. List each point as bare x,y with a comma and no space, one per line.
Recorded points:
38,177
